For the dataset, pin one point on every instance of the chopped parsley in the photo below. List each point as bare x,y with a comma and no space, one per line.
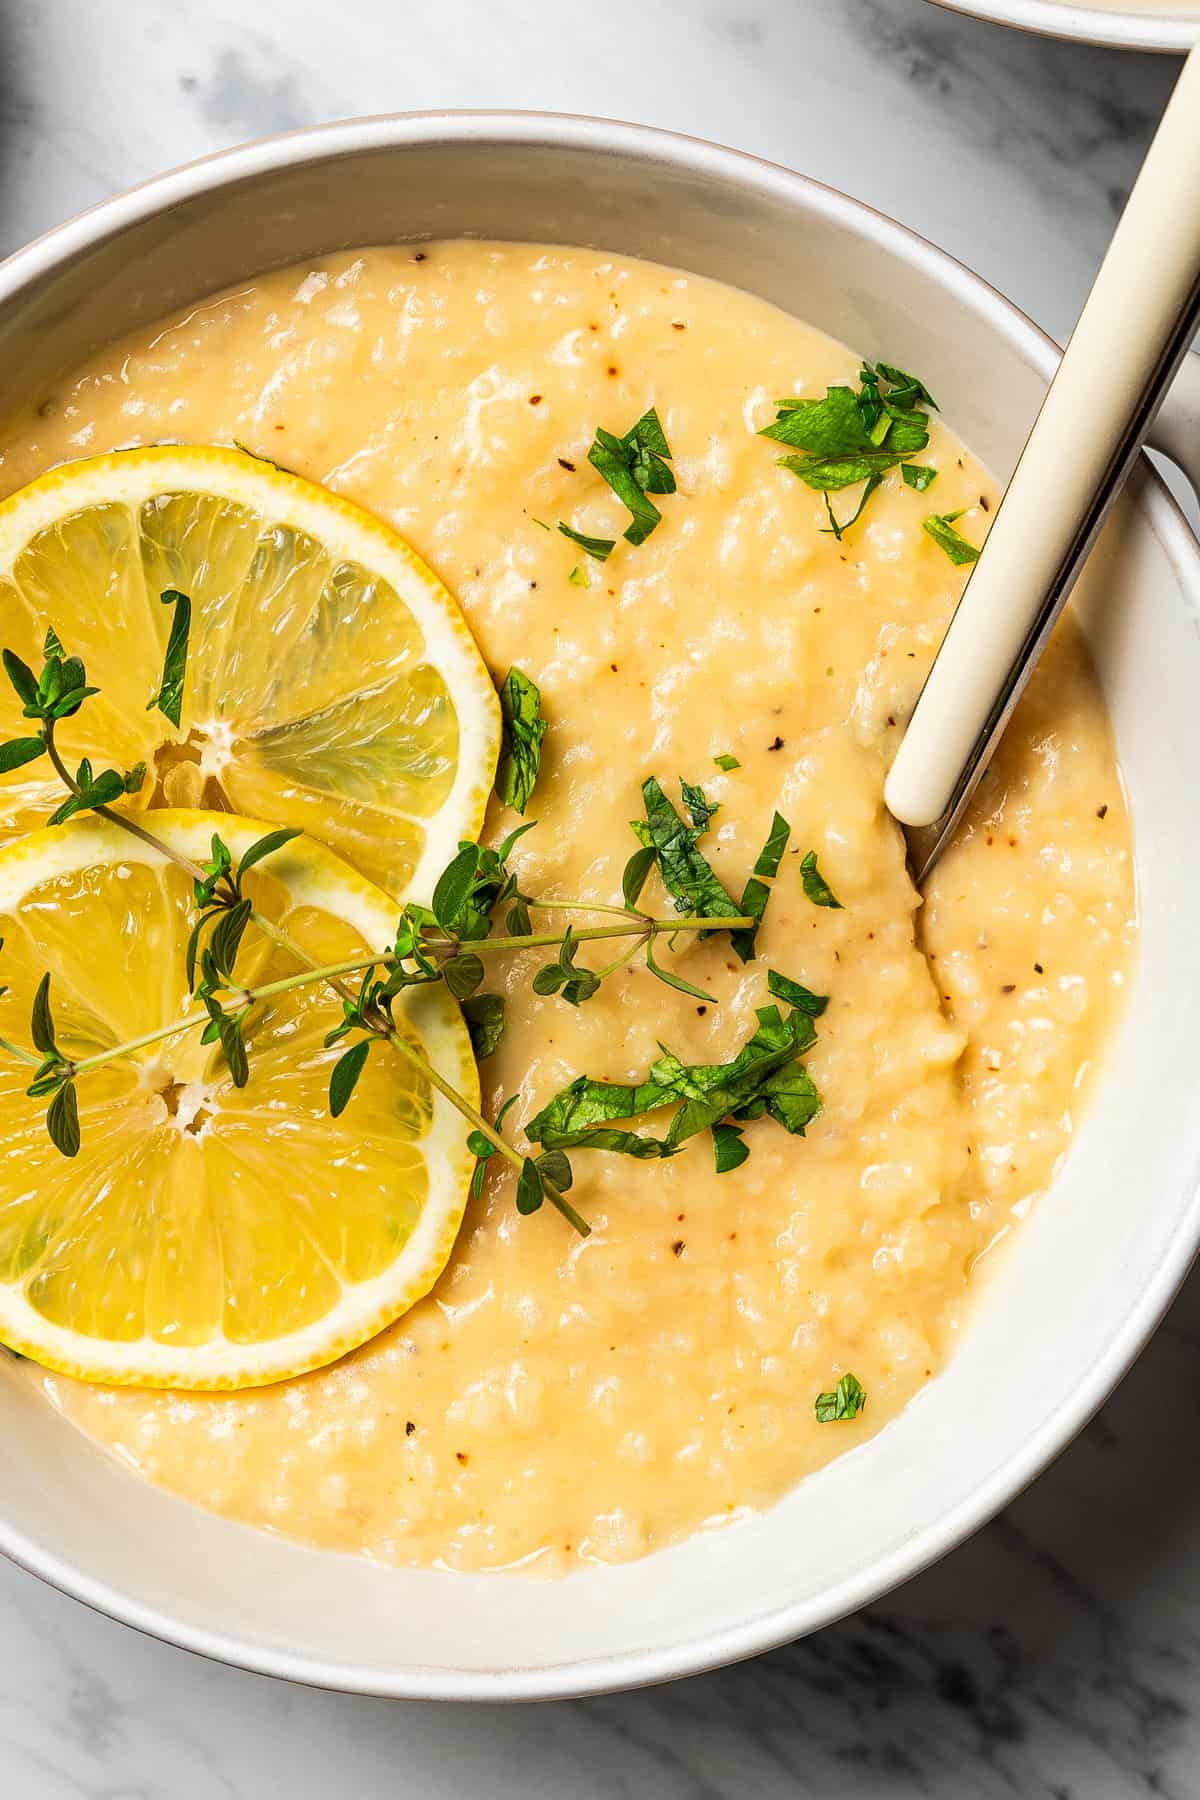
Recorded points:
853,436
600,548
686,873
816,888
918,476
756,893
523,729
727,762
764,1078
634,466
940,527
782,987
845,1402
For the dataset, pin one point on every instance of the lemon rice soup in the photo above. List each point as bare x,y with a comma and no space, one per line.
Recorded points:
734,1320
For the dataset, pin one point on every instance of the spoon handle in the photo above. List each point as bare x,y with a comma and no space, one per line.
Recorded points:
1131,336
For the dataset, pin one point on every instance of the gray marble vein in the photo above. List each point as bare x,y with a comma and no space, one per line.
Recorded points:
1058,1653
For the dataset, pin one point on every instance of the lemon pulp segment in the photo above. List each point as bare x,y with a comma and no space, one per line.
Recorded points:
332,682
208,1236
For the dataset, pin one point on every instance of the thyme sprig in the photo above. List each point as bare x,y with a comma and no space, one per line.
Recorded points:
447,941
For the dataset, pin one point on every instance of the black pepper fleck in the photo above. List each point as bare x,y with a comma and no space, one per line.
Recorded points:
409,1428
777,745
568,466
678,1246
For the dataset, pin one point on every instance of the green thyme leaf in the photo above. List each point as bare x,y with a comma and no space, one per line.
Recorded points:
686,874
233,1046
52,644
344,1077
794,993
845,1402
483,1148
940,527
636,870
918,475
727,762
20,751
463,974
24,681
484,1015
600,548
62,1120
554,1167
816,888
227,936
521,745
266,846
530,1189
454,886
578,577
728,1148
169,698
671,980
41,1027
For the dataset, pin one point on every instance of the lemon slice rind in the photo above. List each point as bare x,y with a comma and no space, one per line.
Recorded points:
347,533
314,877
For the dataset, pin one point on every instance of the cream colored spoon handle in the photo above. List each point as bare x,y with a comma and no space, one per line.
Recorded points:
1130,339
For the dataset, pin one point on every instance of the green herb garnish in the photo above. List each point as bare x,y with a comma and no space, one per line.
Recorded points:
523,729
686,873
940,527
918,476
816,888
600,548
634,467
853,436
845,1402
782,987
727,762
765,1077
169,698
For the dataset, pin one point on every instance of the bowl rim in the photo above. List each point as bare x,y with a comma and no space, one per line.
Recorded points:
1086,24
788,1621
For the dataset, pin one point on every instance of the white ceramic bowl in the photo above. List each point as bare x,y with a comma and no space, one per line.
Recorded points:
1095,1265
1130,28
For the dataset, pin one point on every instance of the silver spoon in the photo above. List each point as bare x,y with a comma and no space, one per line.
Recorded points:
1133,333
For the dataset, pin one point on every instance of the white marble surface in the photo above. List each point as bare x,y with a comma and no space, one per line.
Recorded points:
1056,1655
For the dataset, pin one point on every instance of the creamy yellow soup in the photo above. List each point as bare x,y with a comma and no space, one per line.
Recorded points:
555,1401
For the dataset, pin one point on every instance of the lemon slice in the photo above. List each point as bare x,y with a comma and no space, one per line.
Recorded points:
207,1236
332,681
